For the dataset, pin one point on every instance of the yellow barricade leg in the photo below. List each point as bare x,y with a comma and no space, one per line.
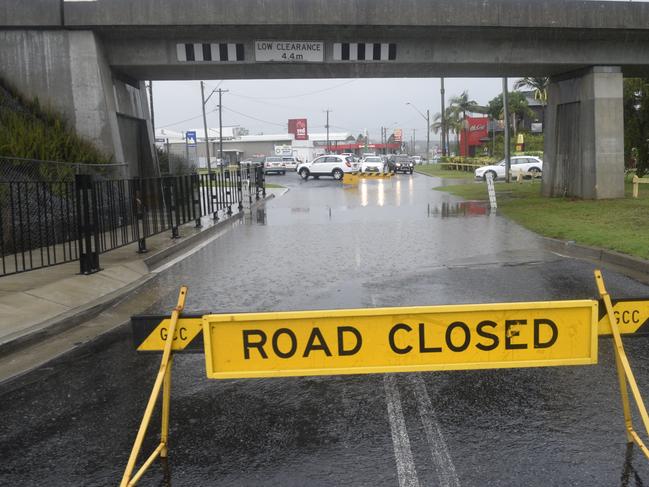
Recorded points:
625,374
163,380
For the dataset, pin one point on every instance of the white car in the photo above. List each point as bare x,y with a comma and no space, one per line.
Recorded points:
373,164
417,160
291,162
528,165
329,165
274,164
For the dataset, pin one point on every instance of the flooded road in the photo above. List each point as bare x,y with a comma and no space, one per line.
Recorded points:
321,246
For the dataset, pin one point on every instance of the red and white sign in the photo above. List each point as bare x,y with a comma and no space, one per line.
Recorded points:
475,129
398,135
298,127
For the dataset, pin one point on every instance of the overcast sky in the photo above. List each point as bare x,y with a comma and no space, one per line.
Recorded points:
264,106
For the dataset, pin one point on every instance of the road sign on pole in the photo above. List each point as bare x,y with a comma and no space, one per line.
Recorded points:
363,341
190,139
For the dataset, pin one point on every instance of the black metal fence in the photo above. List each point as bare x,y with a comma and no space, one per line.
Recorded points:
48,223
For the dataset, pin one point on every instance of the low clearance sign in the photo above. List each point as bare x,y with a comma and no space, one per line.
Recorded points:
413,339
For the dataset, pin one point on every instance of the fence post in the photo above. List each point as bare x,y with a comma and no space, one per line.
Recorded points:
213,188
170,191
228,190
139,214
196,193
240,188
87,220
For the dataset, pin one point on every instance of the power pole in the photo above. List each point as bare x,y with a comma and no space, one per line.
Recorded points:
327,127
508,162
207,143
444,134
427,135
221,126
414,140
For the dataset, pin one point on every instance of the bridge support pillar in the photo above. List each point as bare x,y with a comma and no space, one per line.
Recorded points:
584,135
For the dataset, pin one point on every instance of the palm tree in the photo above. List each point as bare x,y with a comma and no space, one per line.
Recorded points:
462,105
540,88
538,85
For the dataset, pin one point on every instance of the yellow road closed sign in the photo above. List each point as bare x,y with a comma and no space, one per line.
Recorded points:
363,341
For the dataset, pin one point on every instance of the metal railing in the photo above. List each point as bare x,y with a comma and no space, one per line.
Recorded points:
48,223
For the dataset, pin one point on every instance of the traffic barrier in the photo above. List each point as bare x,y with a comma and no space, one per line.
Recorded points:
354,177
382,340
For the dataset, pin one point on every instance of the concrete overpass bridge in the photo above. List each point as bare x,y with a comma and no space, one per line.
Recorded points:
89,58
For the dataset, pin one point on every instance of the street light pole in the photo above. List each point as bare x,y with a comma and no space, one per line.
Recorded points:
427,118
427,135
508,162
443,121
221,125
327,127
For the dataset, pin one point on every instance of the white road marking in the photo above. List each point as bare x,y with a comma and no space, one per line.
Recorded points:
406,471
444,467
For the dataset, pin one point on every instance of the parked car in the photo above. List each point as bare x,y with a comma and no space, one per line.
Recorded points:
373,164
329,165
528,165
417,160
401,163
291,162
274,164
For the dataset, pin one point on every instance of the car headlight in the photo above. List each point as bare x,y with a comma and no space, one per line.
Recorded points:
411,164
398,164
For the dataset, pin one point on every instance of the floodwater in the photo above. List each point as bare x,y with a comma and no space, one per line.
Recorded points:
320,246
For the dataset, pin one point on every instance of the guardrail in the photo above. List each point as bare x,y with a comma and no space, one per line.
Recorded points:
48,223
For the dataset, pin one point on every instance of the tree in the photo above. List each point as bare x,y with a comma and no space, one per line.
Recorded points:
461,105
518,108
540,88
538,85
636,124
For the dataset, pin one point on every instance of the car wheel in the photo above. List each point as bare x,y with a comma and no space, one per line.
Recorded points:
534,172
304,174
411,171
283,172
337,174
493,175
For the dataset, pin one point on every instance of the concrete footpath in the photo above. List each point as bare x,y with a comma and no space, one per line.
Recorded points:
47,312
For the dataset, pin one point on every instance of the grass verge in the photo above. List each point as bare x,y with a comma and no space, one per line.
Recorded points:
619,225
438,171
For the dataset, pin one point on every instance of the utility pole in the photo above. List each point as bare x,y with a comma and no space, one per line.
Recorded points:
157,160
327,127
427,135
207,143
221,126
414,140
444,134
508,162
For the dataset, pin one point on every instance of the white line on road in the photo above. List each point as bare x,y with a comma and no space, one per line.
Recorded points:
444,467
403,454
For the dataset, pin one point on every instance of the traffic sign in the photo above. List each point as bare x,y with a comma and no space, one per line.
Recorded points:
632,316
361,341
150,333
190,138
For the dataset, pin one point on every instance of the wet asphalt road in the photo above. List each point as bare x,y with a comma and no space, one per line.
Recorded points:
390,243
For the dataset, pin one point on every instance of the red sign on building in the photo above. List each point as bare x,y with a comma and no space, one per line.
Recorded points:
297,127
475,129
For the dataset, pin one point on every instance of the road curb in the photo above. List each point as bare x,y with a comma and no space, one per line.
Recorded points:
633,265
79,315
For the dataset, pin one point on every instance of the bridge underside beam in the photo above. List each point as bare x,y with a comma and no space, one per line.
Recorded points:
584,135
